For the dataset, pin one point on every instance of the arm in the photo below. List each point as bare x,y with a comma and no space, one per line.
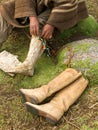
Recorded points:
25,8
61,12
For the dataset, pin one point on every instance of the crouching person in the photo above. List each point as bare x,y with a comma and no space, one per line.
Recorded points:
42,17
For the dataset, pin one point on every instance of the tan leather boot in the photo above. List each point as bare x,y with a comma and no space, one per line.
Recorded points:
55,109
62,80
35,51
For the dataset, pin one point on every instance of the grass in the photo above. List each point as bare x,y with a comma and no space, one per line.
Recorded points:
13,113
83,115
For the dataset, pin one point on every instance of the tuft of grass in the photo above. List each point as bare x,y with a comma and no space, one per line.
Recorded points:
88,26
13,115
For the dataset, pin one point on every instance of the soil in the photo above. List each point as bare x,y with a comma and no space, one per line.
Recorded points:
83,115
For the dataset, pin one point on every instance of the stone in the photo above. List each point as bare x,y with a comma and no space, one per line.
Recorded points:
83,56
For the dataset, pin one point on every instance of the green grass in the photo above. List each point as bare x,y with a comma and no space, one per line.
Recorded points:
14,116
13,113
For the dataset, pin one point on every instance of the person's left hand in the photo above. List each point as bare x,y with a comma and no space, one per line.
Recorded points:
47,31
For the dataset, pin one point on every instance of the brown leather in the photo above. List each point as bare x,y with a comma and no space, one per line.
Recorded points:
55,109
62,80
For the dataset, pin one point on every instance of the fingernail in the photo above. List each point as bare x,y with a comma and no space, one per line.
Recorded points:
50,37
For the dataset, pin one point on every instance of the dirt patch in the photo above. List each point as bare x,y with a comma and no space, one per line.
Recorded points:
82,115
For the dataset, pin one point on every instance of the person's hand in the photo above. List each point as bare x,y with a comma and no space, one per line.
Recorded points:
47,31
34,26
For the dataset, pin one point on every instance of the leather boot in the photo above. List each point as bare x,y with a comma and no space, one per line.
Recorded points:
55,109
37,95
35,51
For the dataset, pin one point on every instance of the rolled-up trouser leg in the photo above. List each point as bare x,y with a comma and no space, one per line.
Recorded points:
4,29
43,17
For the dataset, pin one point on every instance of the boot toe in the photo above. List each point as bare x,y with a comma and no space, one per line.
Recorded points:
30,108
22,94
27,97
35,109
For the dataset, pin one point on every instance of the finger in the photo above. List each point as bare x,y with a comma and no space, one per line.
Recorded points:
49,37
46,35
43,32
31,30
34,30
37,30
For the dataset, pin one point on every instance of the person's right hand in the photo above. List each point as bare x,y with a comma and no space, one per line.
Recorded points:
34,26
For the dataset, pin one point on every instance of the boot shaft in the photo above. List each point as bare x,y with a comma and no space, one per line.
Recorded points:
67,96
58,83
62,80
55,109
35,50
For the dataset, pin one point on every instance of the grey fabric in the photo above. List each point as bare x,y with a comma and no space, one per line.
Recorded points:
4,29
43,17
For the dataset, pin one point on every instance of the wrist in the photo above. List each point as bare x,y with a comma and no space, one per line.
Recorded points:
32,17
50,25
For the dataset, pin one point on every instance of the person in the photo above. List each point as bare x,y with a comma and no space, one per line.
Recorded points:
60,14
43,17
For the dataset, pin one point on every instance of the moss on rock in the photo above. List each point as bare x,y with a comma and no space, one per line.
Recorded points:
87,27
85,57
